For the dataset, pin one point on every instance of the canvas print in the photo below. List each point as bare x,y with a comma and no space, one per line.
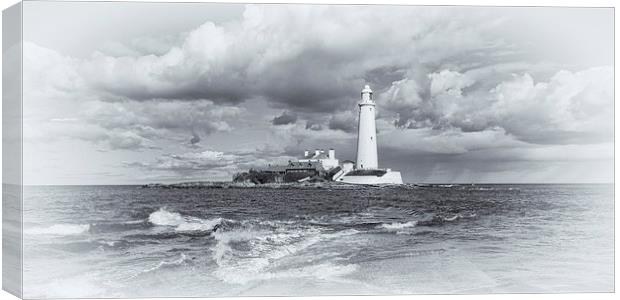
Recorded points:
213,149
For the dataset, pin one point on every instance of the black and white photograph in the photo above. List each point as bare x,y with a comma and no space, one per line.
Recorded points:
196,149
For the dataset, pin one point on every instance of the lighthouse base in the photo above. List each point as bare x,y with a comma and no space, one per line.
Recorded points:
372,176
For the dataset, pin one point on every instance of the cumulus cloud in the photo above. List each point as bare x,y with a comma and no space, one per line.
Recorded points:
314,125
199,115
61,104
568,108
285,118
195,138
262,55
449,82
125,140
163,120
48,74
345,121
448,69
65,93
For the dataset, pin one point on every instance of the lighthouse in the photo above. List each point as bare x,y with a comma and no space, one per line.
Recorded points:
367,169
367,132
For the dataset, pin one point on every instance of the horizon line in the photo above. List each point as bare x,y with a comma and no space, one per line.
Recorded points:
406,183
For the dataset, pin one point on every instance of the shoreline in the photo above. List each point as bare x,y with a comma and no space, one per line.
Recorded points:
284,185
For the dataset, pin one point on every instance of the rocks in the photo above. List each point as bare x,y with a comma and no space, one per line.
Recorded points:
313,183
201,185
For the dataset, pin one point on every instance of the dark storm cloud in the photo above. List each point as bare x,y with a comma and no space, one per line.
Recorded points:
285,118
448,81
263,55
568,108
314,125
425,78
142,123
195,138
107,119
345,121
438,68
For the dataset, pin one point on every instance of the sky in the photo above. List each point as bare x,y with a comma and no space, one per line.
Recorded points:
132,93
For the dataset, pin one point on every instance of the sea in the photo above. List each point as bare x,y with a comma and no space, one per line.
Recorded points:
131,241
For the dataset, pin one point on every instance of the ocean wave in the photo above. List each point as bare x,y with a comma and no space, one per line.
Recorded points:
109,243
397,226
163,264
162,217
152,238
264,247
276,223
440,219
447,185
60,229
105,227
368,219
251,251
201,225
483,189
263,251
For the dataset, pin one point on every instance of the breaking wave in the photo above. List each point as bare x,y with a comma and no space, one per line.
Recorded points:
162,217
165,218
252,252
163,264
436,220
440,220
60,229
397,226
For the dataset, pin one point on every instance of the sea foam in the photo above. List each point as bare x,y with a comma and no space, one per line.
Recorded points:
396,225
162,217
266,248
165,218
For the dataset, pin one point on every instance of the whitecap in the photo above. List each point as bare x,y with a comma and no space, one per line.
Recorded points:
162,217
397,226
108,243
164,263
198,225
453,218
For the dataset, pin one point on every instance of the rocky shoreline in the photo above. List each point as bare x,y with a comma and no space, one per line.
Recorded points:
231,184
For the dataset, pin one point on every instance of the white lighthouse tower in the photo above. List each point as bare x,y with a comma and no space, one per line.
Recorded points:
367,132
367,169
